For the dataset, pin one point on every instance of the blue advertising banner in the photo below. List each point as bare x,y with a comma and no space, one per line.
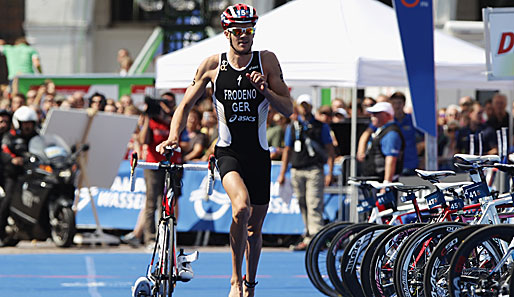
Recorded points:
416,25
118,208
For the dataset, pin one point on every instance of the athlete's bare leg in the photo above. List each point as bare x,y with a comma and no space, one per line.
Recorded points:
254,245
238,194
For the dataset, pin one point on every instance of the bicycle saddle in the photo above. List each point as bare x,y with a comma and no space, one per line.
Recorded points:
450,186
379,185
408,189
433,175
474,159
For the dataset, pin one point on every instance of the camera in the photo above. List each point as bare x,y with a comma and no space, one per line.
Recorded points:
153,105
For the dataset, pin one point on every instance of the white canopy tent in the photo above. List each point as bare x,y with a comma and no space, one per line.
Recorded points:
337,43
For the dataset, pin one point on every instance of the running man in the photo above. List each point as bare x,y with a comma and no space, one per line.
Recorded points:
245,83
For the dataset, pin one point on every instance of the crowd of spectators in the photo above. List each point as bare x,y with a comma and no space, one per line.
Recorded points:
457,123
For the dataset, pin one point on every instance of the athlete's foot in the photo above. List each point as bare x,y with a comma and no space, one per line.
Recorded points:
248,287
248,292
236,290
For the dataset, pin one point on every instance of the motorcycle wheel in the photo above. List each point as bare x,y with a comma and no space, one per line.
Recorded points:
63,227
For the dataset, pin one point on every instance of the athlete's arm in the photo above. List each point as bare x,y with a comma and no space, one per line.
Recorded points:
203,76
271,84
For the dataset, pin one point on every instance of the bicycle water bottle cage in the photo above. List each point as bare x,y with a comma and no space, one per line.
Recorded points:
476,191
435,199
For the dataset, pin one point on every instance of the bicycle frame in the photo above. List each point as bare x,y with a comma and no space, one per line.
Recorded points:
165,269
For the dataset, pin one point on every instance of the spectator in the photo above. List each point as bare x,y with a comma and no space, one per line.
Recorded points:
384,156
473,127
308,146
366,103
123,103
31,96
499,117
110,108
58,100
452,113
97,101
155,129
125,64
122,53
210,124
21,58
48,103
488,109
337,104
275,134
404,121
18,100
198,141
78,100
465,103
382,98
339,115
448,146
324,115
5,127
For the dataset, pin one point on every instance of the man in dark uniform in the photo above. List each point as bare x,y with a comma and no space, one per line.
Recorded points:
245,83
308,145
14,146
384,156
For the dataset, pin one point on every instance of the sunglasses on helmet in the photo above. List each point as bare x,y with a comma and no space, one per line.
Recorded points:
241,31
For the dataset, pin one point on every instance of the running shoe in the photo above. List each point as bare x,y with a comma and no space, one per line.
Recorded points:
185,271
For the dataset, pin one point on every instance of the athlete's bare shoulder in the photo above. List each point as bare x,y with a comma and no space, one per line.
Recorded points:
268,57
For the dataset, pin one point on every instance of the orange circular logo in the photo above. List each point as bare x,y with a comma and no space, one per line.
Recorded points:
409,5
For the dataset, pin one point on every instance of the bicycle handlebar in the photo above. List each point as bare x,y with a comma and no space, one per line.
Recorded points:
210,166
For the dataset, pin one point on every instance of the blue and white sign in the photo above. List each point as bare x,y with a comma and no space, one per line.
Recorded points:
118,208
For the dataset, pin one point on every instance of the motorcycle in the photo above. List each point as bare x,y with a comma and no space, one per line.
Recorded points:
41,208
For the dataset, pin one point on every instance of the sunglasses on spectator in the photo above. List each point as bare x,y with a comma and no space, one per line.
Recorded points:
241,31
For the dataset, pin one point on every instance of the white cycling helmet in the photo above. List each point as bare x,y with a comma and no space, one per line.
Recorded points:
24,114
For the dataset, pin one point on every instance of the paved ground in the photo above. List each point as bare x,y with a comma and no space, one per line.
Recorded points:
40,269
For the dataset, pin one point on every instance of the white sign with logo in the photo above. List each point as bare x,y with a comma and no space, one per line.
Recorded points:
499,38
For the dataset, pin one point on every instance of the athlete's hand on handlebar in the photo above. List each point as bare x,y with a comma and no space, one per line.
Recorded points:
161,148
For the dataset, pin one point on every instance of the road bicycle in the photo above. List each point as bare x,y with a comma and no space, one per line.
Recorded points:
166,267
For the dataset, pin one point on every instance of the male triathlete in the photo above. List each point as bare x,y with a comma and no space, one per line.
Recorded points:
245,83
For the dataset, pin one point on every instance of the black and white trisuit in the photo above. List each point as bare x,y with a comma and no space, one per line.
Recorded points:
242,113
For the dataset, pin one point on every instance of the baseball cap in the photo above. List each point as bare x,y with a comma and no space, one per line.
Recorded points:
342,112
304,98
381,107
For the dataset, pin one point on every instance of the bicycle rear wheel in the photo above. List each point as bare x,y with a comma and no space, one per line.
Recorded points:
435,279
